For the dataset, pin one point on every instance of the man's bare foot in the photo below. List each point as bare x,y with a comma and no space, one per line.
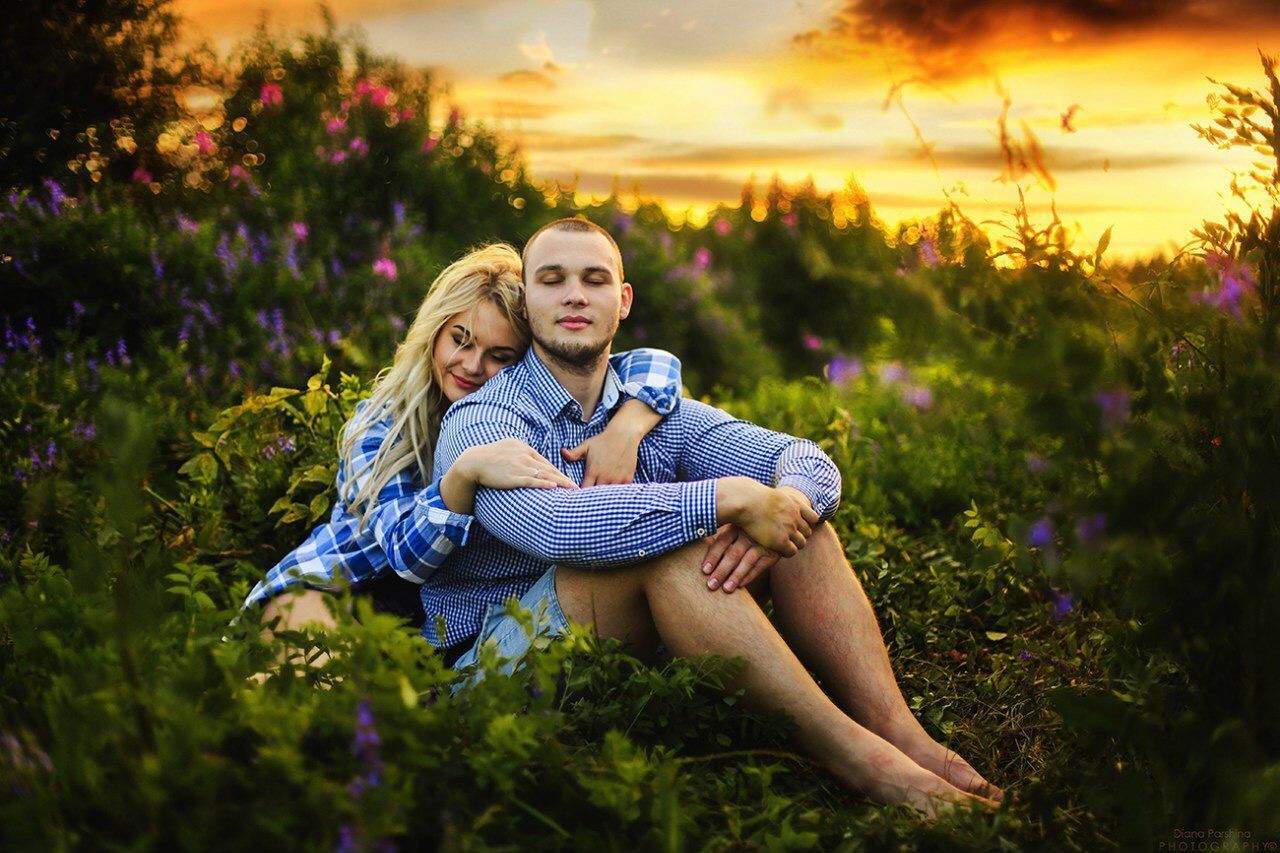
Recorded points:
887,775
915,743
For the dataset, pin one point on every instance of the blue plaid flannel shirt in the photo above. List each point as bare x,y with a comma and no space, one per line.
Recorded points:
410,530
523,532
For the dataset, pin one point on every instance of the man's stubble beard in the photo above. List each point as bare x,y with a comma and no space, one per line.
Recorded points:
577,357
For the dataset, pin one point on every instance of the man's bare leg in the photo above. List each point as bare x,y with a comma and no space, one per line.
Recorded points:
669,594
826,618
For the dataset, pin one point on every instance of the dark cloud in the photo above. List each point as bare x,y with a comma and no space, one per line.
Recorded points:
668,186
527,80
543,141
950,37
797,102
1075,159
757,156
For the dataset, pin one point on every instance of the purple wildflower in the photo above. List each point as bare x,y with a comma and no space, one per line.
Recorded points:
56,196
1024,656
228,258
1236,283
1114,407
1090,527
841,370
397,212
157,266
622,222
928,252
892,372
917,396
186,224
1036,463
299,229
1063,603
1041,534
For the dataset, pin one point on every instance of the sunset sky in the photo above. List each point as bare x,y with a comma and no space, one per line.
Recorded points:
690,100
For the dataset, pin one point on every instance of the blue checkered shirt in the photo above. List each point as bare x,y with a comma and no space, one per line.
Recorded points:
523,532
410,530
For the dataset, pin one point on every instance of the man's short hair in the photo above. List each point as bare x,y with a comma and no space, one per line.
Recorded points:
582,226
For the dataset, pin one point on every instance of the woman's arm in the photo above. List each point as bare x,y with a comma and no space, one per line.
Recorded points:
651,379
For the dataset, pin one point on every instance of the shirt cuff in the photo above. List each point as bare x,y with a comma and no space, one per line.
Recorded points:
698,509
810,489
662,400
455,526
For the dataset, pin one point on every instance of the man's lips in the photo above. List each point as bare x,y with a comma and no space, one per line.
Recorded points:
463,384
574,321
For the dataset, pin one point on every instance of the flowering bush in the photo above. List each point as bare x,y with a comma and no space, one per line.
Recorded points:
1059,495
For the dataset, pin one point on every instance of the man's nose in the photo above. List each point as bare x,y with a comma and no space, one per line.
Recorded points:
576,292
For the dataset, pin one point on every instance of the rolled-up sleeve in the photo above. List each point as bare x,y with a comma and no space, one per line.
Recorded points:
651,376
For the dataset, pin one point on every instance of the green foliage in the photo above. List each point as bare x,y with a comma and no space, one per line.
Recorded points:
1059,494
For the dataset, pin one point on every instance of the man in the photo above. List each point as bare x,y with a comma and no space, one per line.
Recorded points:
633,560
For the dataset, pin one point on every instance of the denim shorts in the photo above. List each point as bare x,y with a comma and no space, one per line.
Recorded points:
509,636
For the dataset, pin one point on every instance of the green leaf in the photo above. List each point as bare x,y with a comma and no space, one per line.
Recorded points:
996,636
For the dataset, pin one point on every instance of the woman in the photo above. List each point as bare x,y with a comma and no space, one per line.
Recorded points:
388,532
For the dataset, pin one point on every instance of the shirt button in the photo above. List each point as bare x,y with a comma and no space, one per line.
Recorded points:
702,532
641,552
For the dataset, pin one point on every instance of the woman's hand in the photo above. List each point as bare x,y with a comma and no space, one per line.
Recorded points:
505,464
611,455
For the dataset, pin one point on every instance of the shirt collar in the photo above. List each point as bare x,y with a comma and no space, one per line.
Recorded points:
553,400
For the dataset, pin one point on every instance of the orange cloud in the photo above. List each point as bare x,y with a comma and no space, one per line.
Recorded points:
964,38
238,17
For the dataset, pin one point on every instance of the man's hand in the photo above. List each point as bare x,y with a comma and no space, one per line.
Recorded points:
611,455
734,560
780,519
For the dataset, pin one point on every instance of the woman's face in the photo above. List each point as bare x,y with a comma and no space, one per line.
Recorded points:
470,349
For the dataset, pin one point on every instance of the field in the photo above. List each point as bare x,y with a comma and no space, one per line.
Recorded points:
1060,492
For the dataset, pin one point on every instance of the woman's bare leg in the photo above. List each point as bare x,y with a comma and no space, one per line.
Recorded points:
669,594
296,610
827,619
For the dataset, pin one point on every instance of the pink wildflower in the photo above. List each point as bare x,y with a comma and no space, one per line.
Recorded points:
142,176
789,220
812,342
240,174
336,124
380,97
337,156
359,147
702,258
386,268
272,95
204,143
428,144
722,227
405,115
299,230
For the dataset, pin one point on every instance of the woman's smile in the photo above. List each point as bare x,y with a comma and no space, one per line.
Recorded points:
464,384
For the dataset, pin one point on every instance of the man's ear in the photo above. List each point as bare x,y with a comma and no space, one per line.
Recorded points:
627,296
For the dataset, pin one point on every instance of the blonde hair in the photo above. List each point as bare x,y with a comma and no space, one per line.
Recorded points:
408,391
